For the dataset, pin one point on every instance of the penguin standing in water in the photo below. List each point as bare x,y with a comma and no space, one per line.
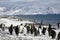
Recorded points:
16,30
58,24
11,29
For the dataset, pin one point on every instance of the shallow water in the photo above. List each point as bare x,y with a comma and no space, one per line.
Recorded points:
52,18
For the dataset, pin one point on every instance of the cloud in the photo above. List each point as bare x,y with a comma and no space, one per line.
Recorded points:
24,0
4,0
32,7
30,0
2,9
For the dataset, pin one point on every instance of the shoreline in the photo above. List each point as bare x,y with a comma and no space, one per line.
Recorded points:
17,19
8,21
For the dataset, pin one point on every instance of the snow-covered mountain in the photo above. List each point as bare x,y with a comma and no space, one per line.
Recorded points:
29,8
2,9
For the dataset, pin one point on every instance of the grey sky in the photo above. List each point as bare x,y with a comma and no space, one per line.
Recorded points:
42,4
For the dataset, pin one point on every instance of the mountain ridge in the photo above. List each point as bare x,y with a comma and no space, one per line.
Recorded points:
28,8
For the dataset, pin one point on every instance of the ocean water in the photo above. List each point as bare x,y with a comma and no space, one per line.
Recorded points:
49,18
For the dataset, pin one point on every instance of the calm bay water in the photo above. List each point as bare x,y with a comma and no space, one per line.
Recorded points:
50,18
